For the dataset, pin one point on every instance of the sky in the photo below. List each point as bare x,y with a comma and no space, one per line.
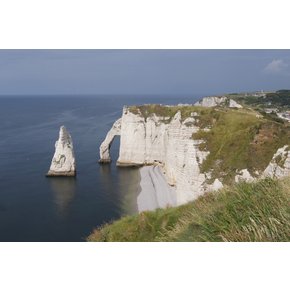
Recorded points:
124,72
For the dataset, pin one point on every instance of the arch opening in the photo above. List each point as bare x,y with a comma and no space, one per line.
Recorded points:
107,143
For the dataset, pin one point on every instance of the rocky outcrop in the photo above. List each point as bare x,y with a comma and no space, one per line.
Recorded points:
218,102
244,175
158,140
217,185
63,161
106,144
280,164
234,104
212,101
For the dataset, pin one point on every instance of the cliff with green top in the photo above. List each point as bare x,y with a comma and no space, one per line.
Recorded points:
204,148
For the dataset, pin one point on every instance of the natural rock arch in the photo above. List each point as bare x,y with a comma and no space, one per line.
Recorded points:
106,144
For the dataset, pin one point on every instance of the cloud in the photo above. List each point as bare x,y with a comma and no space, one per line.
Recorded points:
276,66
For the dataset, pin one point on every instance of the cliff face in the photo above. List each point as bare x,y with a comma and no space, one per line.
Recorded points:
280,164
200,149
212,101
169,143
218,102
166,141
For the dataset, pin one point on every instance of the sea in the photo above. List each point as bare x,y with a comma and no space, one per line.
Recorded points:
36,208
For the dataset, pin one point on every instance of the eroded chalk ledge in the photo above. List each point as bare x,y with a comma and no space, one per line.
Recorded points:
61,174
104,161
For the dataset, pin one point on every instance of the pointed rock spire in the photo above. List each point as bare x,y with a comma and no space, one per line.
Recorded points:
63,161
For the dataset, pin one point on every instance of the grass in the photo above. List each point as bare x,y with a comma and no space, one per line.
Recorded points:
167,111
245,212
238,139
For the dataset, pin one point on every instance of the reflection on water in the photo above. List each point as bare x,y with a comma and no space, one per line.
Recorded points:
129,188
64,189
124,192
106,178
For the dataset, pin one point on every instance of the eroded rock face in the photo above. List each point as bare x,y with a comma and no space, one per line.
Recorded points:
211,101
218,101
168,143
234,104
106,144
279,165
244,175
217,185
63,161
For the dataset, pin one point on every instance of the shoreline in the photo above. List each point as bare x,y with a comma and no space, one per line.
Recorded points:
155,191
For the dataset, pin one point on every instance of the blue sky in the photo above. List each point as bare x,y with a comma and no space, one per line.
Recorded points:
44,72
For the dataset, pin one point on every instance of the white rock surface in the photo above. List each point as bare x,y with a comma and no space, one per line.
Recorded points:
155,191
217,185
211,101
244,175
63,161
279,165
218,101
234,104
106,144
169,144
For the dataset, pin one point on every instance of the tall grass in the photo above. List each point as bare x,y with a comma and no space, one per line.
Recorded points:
245,212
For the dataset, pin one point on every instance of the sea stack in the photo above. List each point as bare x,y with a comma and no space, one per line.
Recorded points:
63,161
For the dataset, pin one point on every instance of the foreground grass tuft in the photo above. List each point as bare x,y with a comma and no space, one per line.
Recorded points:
245,212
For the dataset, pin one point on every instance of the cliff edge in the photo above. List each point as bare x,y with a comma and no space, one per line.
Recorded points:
200,147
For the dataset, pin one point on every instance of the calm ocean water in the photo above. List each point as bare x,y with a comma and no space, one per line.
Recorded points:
35,208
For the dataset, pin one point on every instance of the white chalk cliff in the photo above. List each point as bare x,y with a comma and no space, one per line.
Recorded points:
166,141
234,104
211,101
63,161
280,164
106,144
218,101
157,140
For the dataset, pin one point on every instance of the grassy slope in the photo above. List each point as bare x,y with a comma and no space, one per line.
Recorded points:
257,211
239,139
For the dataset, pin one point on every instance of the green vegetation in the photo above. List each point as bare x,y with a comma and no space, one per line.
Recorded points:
279,98
238,139
166,111
244,212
